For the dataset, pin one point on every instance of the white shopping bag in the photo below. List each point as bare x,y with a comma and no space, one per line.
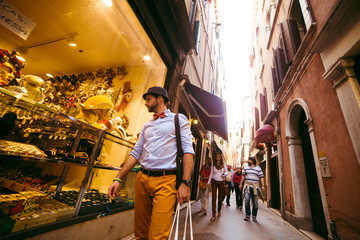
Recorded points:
176,220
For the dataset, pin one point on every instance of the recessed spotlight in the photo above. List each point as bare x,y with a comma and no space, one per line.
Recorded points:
108,3
49,75
147,57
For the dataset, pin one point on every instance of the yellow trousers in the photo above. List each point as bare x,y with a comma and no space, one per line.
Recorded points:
154,204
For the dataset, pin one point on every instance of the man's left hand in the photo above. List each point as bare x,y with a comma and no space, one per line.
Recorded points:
183,193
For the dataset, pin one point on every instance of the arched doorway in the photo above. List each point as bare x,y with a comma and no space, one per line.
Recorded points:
310,205
317,212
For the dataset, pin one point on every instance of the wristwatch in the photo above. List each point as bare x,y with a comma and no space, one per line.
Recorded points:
187,182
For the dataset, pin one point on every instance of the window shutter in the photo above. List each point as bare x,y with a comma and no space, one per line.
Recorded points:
290,38
265,102
196,34
280,65
257,122
307,13
275,83
252,57
262,107
252,133
193,12
272,14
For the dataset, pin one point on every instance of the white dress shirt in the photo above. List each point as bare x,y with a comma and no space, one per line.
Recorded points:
156,147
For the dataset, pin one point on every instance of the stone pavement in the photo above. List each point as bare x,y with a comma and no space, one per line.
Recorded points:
231,225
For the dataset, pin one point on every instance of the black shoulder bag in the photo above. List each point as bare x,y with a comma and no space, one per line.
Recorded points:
180,153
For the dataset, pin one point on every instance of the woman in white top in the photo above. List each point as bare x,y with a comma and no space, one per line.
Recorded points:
217,181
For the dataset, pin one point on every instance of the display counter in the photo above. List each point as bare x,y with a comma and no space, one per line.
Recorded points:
55,169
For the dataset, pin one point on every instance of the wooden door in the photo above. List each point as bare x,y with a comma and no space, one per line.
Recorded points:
316,206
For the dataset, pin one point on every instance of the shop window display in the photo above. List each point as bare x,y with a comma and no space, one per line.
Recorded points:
63,138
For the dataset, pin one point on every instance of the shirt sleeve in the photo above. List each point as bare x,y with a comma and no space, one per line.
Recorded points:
261,174
139,146
186,137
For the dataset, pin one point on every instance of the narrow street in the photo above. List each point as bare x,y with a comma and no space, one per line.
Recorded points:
231,225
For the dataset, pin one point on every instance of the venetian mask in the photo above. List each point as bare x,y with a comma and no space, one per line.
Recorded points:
128,96
6,73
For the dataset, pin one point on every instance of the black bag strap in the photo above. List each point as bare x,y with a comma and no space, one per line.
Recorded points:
179,154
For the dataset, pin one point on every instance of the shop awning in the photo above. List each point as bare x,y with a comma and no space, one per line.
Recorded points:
209,108
264,134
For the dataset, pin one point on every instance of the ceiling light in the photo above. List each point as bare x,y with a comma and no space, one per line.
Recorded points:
49,75
147,57
71,40
195,121
108,3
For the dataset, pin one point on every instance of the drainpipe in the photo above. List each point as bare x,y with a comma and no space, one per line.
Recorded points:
282,192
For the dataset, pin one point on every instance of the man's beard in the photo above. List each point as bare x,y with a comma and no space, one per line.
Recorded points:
152,107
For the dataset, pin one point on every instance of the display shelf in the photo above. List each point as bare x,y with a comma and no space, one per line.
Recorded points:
107,168
14,99
116,139
63,140
59,224
12,157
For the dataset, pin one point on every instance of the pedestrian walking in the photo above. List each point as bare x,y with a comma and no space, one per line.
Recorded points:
203,186
252,174
217,181
229,183
238,191
156,192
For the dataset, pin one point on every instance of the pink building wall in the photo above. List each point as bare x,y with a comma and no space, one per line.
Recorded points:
331,134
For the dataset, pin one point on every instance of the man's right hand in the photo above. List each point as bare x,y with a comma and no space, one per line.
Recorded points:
113,189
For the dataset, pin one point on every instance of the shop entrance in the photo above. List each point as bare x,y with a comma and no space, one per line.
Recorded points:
196,169
274,183
317,213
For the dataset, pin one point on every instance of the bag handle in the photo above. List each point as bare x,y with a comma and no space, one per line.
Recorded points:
176,220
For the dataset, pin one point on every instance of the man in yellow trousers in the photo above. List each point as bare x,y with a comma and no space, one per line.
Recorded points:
156,192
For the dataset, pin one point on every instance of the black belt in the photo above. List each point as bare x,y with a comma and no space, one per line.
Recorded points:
158,173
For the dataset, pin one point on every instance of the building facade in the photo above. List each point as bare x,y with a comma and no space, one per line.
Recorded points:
187,36
122,48
305,110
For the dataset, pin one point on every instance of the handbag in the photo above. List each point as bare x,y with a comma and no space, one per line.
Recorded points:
176,220
202,184
179,154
